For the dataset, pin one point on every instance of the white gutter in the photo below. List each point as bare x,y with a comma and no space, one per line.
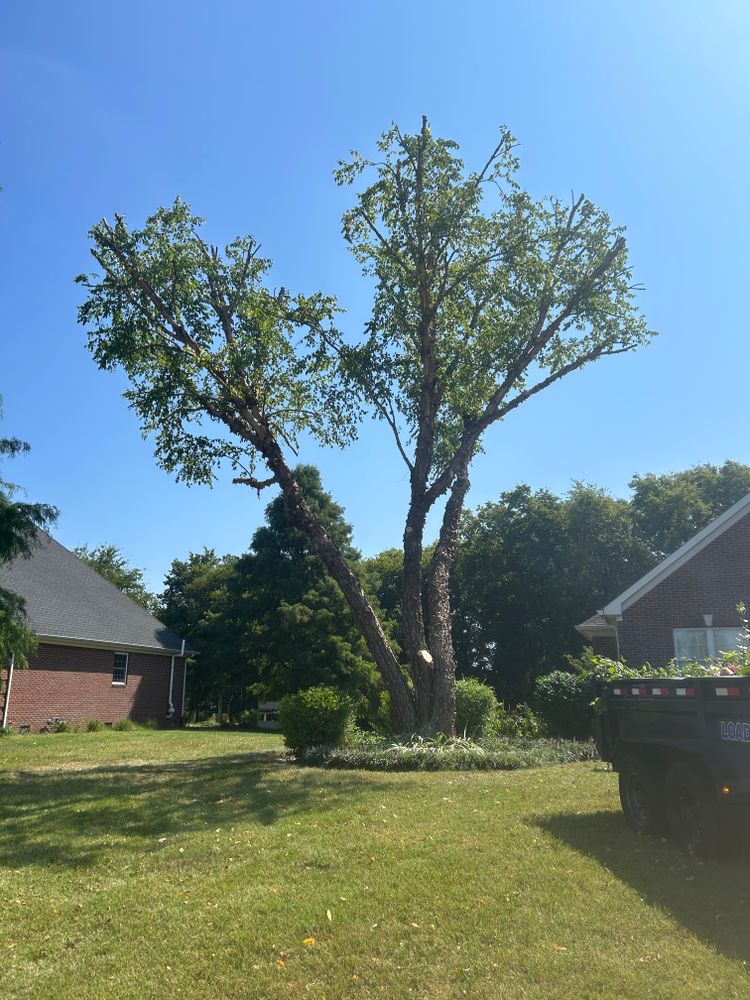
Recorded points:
184,682
170,706
7,689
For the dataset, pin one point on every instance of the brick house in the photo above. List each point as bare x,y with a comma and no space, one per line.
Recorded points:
100,655
686,607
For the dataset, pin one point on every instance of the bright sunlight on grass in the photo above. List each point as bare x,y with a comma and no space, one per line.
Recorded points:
199,864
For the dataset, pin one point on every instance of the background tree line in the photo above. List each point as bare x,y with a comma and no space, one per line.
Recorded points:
529,567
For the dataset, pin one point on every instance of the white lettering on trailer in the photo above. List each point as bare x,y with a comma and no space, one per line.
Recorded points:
737,732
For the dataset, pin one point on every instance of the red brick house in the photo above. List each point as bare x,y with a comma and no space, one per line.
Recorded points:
686,607
100,656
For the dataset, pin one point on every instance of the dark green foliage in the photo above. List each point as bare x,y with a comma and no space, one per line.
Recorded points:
532,565
517,723
670,508
94,726
476,706
61,726
19,524
300,632
563,703
109,562
374,753
199,602
124,725
316,717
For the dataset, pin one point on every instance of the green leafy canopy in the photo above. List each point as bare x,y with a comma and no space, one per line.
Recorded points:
204,341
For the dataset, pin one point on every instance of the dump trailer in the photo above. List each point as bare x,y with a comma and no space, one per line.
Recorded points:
681,747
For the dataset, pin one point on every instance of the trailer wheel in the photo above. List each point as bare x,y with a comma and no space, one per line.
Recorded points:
691,811
639,796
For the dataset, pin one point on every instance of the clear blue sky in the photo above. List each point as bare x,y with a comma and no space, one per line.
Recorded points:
244,108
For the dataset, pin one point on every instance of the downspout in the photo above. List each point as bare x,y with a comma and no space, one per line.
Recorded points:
7,689
170,705
184,682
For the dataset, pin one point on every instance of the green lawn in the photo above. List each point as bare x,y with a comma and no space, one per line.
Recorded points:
198,864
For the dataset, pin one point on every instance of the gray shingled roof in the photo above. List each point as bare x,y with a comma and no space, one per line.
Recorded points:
67,599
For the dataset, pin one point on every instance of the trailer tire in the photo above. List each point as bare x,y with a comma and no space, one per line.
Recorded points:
640,796
692,811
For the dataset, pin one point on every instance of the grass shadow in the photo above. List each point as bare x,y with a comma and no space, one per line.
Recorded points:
711,899
71,817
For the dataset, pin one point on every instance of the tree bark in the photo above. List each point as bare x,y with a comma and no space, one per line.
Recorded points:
439,612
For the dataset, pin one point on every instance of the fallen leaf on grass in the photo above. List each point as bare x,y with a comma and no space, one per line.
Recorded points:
329,915
309,942
559,947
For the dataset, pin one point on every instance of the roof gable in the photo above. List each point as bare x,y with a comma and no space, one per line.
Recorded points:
67,600
678,558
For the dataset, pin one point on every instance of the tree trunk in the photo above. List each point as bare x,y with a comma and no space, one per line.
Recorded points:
439,612
412,617
303,518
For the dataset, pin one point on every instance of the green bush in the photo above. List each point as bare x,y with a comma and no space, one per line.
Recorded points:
61,726
6,730
149,724
516,723
317,717
124,725
476,706
94,726
563,703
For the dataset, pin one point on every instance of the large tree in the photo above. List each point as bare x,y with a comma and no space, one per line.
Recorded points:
299,629
108,561
20,523
199,603
483,298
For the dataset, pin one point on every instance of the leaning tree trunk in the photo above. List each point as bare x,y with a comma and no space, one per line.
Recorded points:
302,517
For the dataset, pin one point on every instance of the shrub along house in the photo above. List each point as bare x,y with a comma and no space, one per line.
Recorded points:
100,655
686,607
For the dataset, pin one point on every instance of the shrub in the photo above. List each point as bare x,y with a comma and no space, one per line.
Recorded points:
476,706
94,726
563,703
377,753
149,724
316,717
6,731
514,723
61,726
124,725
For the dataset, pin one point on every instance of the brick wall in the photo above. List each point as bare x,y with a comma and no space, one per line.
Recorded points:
712,582
75,684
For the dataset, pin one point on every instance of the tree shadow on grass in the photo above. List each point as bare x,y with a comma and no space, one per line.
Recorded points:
69,818
711,899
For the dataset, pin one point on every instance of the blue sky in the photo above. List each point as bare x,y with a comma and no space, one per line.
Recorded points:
244,108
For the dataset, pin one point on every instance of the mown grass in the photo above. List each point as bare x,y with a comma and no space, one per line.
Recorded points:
200,864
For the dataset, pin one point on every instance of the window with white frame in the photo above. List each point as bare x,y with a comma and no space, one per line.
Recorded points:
694,645
120,668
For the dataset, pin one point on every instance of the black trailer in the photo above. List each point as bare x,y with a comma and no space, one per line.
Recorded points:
681,747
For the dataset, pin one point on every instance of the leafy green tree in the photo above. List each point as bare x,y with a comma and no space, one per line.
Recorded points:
300,631
199,603
483,298
670,508
529,567
110,563
20,523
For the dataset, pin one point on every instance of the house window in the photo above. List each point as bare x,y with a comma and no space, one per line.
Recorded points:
120,668
694,645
